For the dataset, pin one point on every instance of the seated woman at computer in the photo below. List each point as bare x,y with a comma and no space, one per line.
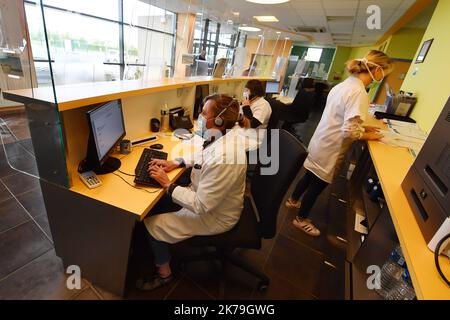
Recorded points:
255,107
341,124
212,204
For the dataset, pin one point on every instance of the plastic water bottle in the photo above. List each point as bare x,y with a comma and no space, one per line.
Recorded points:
165,118
392,271
391,274
403,290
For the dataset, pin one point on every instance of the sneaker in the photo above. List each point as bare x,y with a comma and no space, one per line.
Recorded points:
153,282
306,226
291,203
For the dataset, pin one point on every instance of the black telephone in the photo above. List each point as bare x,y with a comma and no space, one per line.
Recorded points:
181,122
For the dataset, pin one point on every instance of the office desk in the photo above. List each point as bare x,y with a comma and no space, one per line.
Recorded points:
392,165
93,229
284,99
117,193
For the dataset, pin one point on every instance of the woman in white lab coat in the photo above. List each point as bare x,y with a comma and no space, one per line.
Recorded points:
341,124
212,204
255,107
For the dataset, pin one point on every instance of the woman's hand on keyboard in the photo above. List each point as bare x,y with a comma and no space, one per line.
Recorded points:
164,164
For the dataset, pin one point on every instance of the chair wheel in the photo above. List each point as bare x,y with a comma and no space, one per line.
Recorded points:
263,286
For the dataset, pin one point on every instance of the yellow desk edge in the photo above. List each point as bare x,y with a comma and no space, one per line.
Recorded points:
392,165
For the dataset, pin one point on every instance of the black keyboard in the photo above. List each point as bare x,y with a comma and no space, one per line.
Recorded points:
142,177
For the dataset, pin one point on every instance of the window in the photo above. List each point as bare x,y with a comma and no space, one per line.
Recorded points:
85,42
313,54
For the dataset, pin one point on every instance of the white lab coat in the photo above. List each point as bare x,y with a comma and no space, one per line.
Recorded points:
261,111
213,203
328,145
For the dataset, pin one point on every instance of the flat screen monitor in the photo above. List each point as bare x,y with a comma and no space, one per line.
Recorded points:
201,68
106,128
272,87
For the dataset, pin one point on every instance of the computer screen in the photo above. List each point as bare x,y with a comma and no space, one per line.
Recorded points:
107,127
272,87
201,68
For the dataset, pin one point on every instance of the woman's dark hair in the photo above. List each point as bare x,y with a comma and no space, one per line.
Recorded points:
256,88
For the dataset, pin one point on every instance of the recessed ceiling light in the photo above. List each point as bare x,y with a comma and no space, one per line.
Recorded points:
249,29
199,13
278,32
236,14
268,1
266,18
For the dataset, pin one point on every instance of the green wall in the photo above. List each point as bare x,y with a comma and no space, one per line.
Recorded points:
428,80
404,43
327,55
338,65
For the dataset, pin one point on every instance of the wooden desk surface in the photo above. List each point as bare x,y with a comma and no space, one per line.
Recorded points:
83,94
285,100
392,165
116,192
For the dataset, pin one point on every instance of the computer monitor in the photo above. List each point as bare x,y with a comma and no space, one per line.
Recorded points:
106,130
200,68
272,87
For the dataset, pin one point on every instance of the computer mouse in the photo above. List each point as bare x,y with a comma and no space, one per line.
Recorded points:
156,146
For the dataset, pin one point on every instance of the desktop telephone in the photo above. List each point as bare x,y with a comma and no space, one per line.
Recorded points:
181,122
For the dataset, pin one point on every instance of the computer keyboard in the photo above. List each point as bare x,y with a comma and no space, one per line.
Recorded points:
142,177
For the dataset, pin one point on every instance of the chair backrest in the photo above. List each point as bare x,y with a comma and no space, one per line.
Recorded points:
275,116
268,191
303,103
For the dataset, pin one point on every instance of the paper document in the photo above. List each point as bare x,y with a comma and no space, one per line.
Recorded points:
361,224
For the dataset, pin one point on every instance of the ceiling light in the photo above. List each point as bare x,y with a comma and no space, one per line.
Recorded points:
199,13
249,29
267,1
236,14
266,18
230,22
287,38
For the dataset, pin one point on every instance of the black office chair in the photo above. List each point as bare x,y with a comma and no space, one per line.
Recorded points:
267,192
298,111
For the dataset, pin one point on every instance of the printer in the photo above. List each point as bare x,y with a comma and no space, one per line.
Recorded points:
427,184
401,104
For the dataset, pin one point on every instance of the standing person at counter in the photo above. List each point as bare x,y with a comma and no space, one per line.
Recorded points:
255,107
341,124
212,204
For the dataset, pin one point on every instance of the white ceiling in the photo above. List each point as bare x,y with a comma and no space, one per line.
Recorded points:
350,29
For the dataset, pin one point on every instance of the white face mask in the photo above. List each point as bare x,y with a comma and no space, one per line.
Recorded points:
201,126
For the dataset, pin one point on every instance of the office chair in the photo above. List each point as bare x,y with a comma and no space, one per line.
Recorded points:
298,111
267,193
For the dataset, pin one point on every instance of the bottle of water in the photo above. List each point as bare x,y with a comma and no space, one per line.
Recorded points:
391,273
403,290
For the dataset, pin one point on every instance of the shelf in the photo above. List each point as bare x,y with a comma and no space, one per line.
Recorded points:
372,209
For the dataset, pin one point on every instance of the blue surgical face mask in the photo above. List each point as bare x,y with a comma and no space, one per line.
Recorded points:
201,126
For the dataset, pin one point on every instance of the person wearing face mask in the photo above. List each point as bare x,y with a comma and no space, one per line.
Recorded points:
213,202
254,106
341,124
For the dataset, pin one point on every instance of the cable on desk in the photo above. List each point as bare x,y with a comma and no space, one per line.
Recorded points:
151,192
436,258
127,174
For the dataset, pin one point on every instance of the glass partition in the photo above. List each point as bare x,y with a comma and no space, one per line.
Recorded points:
106,40
31,135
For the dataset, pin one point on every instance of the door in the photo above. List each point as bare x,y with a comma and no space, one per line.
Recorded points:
394,80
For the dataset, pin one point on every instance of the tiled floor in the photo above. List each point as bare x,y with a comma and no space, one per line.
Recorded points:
30,269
